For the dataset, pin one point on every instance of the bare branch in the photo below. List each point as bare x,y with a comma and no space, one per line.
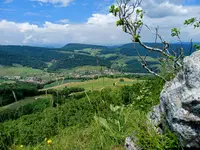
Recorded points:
126,10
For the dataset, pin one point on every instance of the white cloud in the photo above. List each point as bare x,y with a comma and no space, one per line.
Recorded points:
166,9
51,33
61,3
101,20
98,29
163,8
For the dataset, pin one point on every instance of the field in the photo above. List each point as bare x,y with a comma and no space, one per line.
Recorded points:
19,71
57,83
81,69
95,84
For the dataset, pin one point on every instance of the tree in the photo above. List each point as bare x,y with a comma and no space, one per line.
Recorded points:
131,17
196,24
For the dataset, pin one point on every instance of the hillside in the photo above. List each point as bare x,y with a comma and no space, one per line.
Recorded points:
38,58
78,46
122,58
76,119
10,58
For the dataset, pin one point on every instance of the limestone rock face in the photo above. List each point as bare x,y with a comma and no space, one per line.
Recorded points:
180,103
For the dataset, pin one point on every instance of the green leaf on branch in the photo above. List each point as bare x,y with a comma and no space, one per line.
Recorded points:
112,8
197,46
192,21
171,57
116,11
141,16
137,37
189,21
175,32
138,11
139,23
120,22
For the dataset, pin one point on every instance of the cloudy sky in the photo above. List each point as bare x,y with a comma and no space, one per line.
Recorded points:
58,22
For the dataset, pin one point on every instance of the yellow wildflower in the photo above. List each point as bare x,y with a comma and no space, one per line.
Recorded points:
21,146
49,141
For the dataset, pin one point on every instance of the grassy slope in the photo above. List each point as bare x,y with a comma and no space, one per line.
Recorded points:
81,69
95,84
110,131
19,71
57,83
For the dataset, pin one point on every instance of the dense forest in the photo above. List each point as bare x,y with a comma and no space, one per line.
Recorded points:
78,46
10,58
76,60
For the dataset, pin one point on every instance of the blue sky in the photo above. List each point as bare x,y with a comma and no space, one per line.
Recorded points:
191,2
36,12
58,22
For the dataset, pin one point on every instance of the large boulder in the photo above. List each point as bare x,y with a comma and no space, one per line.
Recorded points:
180,103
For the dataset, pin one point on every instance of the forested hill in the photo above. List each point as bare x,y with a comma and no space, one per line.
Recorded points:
37,57
128,49
44,54
123,58
10,58
78,46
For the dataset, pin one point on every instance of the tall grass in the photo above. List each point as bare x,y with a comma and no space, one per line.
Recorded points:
99,120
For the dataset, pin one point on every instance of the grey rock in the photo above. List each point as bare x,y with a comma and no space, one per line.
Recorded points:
180,103
130,144
155,117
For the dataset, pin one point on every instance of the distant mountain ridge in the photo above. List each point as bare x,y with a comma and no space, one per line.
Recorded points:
77,54
38,57
79,46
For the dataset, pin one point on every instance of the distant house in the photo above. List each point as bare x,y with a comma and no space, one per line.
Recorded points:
53,60
17,77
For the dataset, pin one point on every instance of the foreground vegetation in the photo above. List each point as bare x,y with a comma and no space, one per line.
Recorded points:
21,71
10,93
88,120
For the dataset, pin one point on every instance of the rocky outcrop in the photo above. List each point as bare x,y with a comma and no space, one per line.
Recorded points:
180,103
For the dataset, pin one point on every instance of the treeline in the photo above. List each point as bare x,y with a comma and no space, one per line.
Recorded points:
9,93
128,49
39,53
78,46
37,58
14,113
9,58
58,97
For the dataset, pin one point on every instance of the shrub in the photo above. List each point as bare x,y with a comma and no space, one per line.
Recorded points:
121,80
36,106
9,93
